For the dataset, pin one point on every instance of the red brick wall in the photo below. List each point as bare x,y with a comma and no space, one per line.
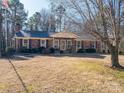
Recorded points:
74,45
18,43
86,44
82,44
50,43
98,46
34,43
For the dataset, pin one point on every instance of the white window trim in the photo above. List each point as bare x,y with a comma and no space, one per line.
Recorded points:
24,44
41,43
95,45
69,41
77,44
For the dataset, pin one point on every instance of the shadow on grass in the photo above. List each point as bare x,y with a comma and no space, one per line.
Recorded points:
85,55
19,77
27,56
19,57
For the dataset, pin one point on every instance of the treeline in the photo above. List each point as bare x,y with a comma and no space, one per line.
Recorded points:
12,17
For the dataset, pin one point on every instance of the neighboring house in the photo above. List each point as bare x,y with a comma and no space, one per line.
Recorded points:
62,40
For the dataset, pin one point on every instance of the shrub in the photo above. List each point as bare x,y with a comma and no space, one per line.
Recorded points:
61,51
121,52
41,49
80,51
52,50
90,50
24,50
103,51
29,50
3,53
11,51
46,51
34,50
69,50
108,51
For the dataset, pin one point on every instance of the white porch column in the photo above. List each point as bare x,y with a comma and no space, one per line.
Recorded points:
95,44
53,42
27,43
16,44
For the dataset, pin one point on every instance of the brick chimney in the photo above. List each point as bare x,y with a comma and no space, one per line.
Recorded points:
17,27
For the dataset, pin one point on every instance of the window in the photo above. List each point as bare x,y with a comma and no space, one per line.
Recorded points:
56,43
93,44
43,43
69,44
78,44
26,43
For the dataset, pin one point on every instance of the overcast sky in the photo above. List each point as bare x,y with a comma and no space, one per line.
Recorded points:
34,5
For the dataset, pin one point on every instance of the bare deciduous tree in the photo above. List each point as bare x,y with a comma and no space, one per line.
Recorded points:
101,18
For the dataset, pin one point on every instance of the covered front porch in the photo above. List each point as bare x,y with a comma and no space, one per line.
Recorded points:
64,41
64,44
30,43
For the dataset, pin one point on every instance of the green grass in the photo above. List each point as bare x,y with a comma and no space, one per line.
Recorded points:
99,68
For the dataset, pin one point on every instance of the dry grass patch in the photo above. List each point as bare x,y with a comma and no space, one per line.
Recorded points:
45,74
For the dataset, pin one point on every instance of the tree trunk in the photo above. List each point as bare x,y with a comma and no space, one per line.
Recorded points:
1,35
115,58
0,53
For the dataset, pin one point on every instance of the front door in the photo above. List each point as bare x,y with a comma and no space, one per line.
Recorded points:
78,45
63,45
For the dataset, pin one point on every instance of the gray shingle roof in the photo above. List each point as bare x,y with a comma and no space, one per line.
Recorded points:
85,36
39,34
33,34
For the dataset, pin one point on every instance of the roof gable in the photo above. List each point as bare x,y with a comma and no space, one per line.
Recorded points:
85,36
64,35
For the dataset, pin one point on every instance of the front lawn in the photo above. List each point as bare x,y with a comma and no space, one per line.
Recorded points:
64,74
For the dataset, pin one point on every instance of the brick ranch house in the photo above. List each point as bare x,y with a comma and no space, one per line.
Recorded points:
61,40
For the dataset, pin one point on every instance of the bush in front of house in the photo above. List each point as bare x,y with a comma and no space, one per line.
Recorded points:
80,51
4,53
90,50
11,51
61,52
24,50
52,50
34,50
46,51
31,50
121,52
41,49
